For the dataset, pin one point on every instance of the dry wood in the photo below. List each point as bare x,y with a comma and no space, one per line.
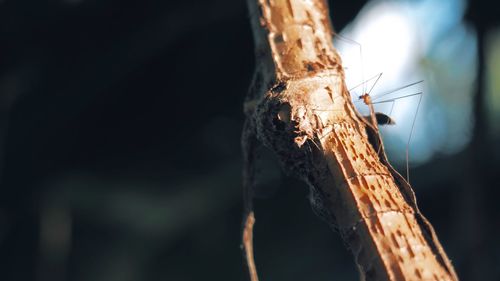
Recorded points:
299,107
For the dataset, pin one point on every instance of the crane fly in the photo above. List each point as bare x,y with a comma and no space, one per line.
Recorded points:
377,118
380,118
353,55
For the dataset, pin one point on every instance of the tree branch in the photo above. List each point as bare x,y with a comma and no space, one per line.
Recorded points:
299,107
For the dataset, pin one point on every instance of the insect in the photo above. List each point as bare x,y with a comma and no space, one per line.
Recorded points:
376,118
398,107
378,110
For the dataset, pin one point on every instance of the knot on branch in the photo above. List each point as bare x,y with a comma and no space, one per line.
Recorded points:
286,124
280,130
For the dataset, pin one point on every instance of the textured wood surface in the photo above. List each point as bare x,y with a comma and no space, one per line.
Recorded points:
299,106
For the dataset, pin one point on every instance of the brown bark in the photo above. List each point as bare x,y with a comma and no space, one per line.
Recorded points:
298,105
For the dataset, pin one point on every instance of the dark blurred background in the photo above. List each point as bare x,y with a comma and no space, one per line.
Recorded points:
120,157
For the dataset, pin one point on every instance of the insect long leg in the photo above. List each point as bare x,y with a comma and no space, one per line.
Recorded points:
373,86
392,101
360,49
409,139
377,97
392,108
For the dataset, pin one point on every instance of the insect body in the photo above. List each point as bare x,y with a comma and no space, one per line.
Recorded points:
377,118
382,119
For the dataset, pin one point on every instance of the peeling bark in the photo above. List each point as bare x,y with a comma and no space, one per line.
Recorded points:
299,107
